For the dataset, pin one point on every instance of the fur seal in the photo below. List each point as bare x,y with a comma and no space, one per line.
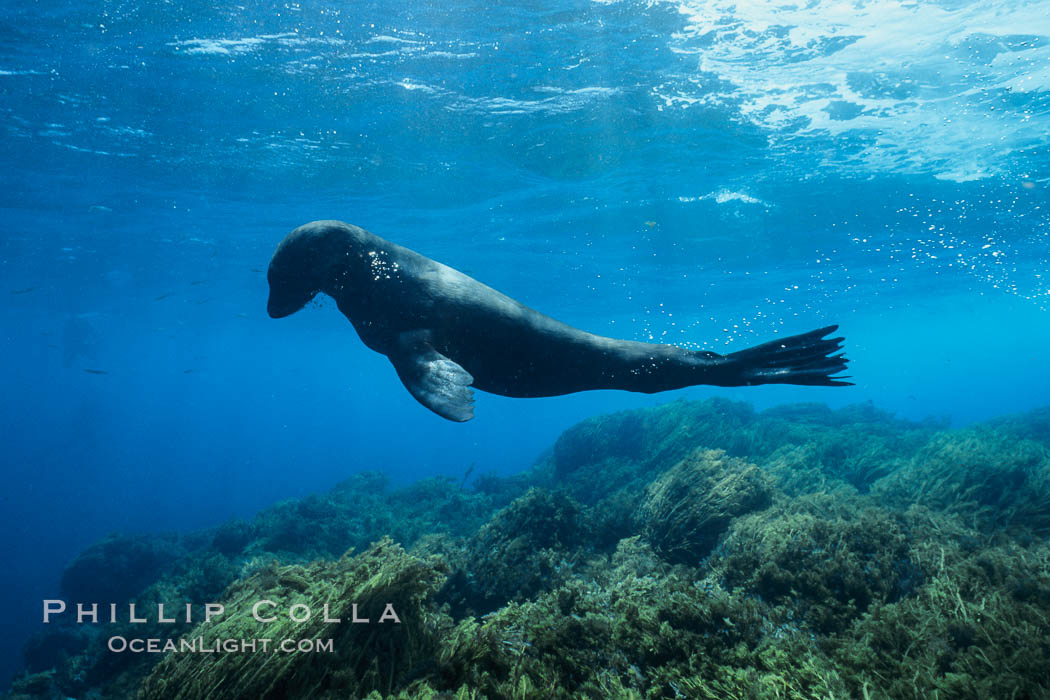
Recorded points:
445,332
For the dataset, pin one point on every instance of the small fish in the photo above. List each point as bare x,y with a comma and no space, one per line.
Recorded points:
255,269
194,283
96,371
470,470
650,224
162,297
27,290
242,315
188,371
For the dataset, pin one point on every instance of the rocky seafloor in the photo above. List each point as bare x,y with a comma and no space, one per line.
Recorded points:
693,550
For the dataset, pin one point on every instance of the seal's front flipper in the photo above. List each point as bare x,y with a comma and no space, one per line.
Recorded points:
436,381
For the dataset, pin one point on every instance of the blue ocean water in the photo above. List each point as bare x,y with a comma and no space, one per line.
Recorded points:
711,174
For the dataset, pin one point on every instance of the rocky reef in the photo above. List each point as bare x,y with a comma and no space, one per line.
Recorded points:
693,550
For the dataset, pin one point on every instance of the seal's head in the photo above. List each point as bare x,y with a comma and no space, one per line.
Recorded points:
293,273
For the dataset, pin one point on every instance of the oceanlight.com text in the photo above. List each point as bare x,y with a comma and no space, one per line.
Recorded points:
197,645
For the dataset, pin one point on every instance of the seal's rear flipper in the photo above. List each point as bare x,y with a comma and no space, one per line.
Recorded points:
436,381
798,359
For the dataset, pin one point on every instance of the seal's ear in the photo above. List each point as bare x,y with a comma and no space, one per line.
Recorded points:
436,381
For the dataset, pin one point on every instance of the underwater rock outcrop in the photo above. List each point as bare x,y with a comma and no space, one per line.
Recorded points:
990,479
593,635
356,512
977,627
693,550
527,547
602,450
322,602
616,453
118,567
689,507
817,563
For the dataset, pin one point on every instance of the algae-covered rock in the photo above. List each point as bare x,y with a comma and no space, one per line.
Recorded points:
636,628
593,633
35,686
662,435
1033,425
79,652
821,567
989,478
855,445
692,550
800,470
116,568
355,512
233,537
51,647
976,629
363,657
529,546
326,524
619,452
691,505
438,505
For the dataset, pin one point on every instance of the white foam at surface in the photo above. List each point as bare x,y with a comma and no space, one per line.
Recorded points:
933,102
383,39
220,47
413,86
230,47
724,197
560,101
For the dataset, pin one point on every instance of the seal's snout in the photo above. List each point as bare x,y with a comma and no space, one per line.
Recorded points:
292,275
279,310
285,299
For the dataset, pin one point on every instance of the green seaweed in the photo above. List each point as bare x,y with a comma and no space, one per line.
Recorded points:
692,504
976,629
818,563
990,479
116,568
600,629
602,455
365,657
527,547
692,550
